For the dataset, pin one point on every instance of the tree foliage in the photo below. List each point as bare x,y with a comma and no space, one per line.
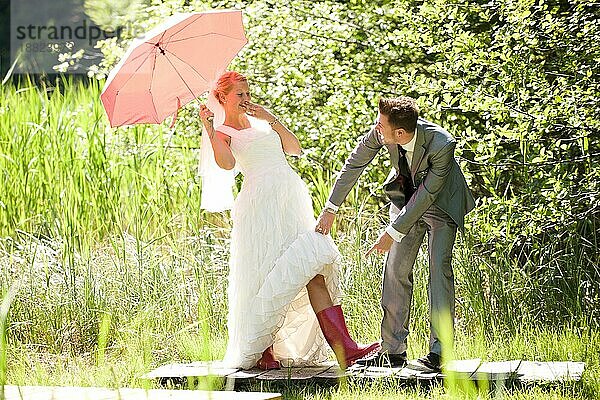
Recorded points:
515,82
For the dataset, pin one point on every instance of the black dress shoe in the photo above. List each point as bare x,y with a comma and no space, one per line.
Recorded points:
431,361
383,359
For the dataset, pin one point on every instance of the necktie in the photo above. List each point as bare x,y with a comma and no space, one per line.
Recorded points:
407,182
403,162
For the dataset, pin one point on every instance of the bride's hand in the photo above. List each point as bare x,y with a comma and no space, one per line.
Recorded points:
259,112
206,116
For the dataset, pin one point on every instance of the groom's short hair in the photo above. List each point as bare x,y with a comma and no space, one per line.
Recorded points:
402,112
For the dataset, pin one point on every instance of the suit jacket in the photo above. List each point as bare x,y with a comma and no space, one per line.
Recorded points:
435,173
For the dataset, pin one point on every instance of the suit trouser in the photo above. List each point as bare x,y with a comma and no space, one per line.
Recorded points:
398,281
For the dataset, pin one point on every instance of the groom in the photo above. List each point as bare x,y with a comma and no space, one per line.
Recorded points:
428,194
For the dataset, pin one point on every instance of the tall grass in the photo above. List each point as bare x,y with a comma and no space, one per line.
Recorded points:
119,270
97,221
66,173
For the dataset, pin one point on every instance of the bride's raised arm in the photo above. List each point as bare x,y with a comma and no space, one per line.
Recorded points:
289,141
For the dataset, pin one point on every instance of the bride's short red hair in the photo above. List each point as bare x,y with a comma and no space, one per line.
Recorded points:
226,82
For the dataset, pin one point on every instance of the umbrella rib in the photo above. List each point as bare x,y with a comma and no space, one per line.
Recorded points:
137,69
162,35
145,53
180,77
152,97
206,34
183,27
186,63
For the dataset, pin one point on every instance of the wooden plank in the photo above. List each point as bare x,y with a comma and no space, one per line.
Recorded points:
330,372
376,372
94,393
305,373
425,376
246,374
462,369
407,374
195,369
497,371
532,371
300,373
410,372
313,372
282,374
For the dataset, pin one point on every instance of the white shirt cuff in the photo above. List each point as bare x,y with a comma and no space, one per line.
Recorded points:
329,204
397,236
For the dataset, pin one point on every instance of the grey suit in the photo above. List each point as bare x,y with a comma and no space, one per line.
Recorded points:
438,205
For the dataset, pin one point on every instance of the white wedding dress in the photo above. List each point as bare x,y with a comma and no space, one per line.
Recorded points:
274,254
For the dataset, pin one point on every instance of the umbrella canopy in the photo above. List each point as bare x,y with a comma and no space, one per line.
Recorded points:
171,65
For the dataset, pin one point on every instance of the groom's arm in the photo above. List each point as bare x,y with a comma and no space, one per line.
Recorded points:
362,155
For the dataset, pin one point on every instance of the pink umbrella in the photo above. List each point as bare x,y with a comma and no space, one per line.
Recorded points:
171,65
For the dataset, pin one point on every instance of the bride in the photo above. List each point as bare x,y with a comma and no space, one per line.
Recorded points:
283,277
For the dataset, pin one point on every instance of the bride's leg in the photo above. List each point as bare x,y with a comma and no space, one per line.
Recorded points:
319,299
318,294
333,325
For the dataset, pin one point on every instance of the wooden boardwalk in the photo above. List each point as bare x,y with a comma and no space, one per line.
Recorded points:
95,393
475,370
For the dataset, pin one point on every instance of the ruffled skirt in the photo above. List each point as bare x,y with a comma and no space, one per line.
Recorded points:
274,254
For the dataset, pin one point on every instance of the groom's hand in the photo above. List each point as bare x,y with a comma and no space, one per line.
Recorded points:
383,244
325,222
